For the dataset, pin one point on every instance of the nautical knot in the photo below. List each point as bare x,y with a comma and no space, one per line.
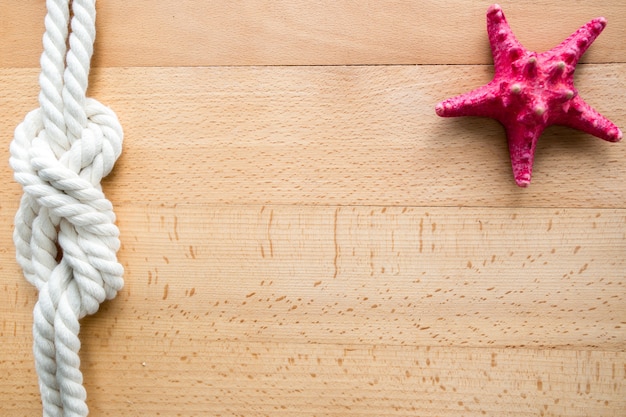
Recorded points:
65,234
64,207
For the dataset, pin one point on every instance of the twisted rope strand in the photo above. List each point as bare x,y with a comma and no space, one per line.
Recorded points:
59,154
51,77
78,61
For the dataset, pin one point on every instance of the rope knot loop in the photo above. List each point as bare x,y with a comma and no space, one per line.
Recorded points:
64,197
93,155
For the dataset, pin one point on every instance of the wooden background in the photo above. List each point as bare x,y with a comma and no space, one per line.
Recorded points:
302,235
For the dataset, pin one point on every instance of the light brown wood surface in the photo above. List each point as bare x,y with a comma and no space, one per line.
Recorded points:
302,235
302,32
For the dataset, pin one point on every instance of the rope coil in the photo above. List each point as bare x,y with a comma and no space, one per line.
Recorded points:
65,234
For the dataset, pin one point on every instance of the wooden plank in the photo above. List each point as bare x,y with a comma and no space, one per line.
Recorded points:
456,277
187,376
539,278
332,135
300,32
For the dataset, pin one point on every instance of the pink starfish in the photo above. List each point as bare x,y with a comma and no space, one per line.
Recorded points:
531,91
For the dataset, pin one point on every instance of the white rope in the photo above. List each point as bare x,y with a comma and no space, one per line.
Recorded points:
65,234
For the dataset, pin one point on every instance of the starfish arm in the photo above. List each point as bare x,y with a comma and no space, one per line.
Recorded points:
505,47
478,102
582,116
572,48
522,142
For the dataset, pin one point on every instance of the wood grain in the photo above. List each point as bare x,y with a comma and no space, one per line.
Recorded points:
400,276
188,376
268,310
334,135
301,32
303,236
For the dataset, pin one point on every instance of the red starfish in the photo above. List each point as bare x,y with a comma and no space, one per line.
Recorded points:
531,91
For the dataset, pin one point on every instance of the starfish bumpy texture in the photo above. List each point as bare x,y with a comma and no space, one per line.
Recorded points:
532,91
